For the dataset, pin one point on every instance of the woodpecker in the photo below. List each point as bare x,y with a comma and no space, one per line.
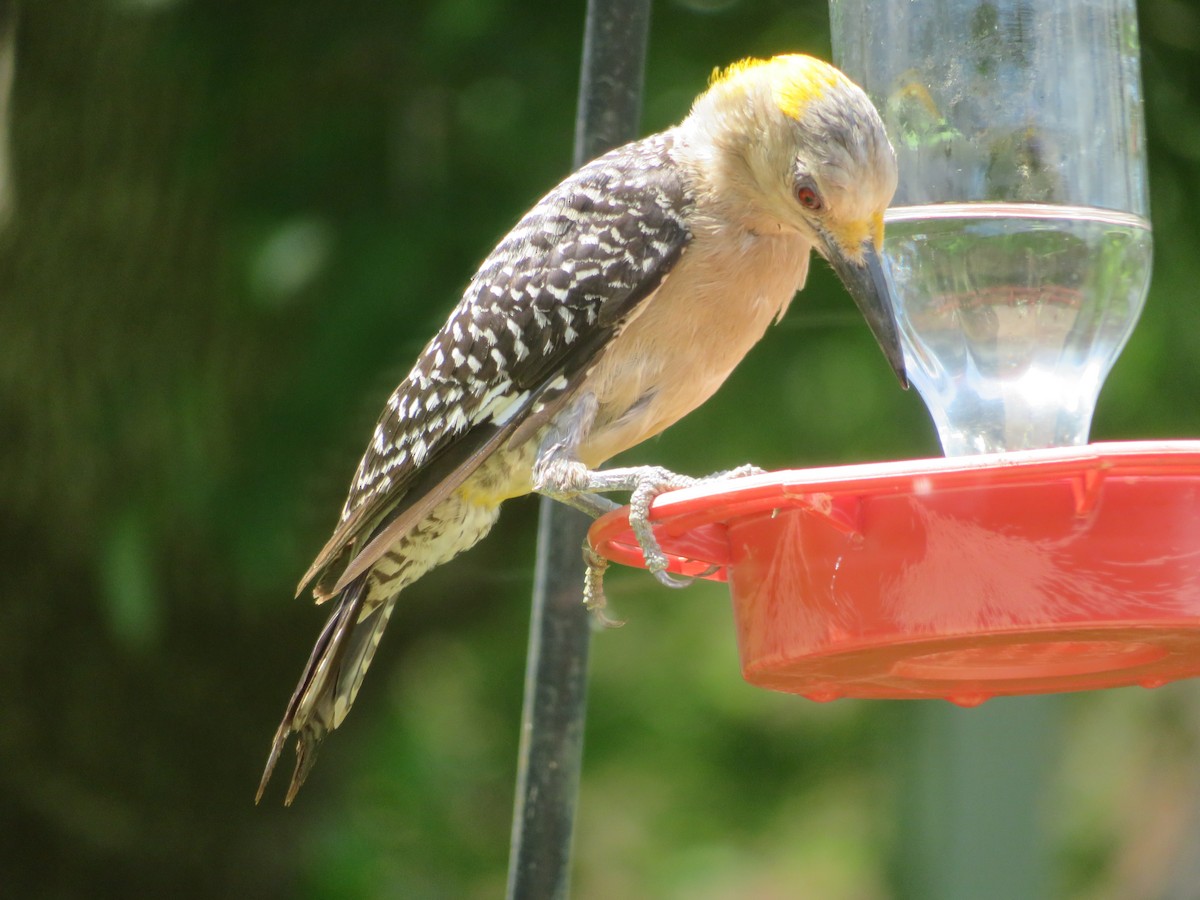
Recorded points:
617,305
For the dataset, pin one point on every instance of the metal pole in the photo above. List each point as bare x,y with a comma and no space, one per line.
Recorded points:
539,863
8,69
610,83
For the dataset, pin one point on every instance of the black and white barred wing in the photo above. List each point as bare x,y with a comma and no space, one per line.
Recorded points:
535,317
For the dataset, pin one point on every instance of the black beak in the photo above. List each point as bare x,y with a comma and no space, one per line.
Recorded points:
871,288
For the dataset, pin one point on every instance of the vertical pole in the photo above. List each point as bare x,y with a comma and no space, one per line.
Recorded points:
610,82
8,69
551,751
974,785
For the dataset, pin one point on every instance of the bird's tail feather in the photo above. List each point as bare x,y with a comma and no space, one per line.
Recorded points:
330,682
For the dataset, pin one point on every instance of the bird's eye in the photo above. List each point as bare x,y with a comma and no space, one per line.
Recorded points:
807,197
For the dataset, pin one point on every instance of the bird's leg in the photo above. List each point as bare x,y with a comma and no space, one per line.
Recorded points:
643,483
593,580
593,587
558,476
593,504
558,473
571,482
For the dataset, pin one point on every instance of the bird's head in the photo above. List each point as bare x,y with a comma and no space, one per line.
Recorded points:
794,146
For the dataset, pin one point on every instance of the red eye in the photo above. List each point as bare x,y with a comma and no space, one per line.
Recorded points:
808,198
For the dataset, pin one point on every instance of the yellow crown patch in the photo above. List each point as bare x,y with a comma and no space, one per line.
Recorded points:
796,80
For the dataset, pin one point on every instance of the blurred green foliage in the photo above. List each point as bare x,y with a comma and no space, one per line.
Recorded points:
233,226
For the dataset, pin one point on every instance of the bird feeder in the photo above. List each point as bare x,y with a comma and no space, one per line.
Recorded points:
1026,560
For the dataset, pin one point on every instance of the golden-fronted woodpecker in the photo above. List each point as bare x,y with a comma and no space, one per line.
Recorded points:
617,305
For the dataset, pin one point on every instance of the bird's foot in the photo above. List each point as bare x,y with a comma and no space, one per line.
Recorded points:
571,482
650,482
740,472
593,588
654,481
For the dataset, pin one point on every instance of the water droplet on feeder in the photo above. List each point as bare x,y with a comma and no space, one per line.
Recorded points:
969,699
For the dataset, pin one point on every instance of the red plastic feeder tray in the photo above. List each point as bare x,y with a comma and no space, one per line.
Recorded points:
965,578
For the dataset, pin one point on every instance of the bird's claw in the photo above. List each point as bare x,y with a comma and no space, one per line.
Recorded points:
655,481
740,472
647,483
666,579
652,482
593,588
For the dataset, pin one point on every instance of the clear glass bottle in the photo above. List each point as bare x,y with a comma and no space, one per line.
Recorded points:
1018,240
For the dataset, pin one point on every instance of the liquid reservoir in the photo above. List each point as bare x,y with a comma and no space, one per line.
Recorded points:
1018,241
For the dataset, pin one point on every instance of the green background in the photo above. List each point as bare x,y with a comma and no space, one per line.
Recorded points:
233,225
